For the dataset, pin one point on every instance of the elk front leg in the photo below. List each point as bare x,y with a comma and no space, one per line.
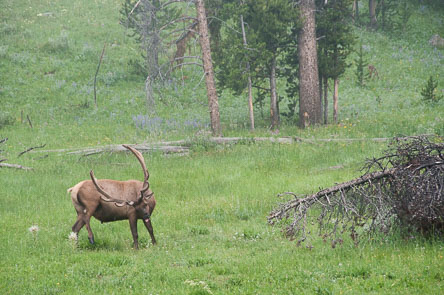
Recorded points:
133,226
149,227
88,227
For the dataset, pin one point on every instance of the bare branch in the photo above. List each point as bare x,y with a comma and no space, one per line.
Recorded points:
30,149
97,71
185,18
132,10
188,63
171,2
225,23
184,57
324,193
409,194
29,120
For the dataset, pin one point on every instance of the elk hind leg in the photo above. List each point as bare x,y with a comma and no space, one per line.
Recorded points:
78,224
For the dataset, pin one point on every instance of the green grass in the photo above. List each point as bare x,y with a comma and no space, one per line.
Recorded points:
210,220
210,223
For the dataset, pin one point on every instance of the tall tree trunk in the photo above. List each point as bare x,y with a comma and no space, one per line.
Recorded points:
325,101
204,40
150,38
250,92
250,103
372,10
320,91
355,15
309,104
274,109
150,43
335,100
150,103
382,18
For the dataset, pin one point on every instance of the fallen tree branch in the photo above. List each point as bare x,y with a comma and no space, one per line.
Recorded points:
406,193
30,149
278,214
16,166
142,148
97,71
29,121
3,140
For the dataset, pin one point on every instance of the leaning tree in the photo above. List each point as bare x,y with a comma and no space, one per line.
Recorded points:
403,190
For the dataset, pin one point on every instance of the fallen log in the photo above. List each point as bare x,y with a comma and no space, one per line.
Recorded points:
279,213
30,149
142,148
16,166
406,192
183,146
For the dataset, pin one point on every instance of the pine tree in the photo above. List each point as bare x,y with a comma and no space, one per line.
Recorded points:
429,91
361,65
335,43
266,27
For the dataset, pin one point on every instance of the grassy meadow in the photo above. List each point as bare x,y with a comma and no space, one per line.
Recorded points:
210,218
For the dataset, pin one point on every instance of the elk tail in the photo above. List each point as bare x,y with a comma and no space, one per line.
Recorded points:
74,196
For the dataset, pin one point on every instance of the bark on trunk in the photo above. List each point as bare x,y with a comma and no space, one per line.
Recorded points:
309,104
325,101
335,100
355,15
204,40
151,39
150,103
250,91
372,10
274,110
320,91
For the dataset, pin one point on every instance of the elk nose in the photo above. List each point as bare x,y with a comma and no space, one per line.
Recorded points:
146,217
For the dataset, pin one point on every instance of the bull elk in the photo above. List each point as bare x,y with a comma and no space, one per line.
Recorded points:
111,200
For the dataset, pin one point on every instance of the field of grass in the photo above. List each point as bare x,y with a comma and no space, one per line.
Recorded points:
210,220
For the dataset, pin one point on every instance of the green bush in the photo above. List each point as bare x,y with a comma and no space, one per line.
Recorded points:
429,92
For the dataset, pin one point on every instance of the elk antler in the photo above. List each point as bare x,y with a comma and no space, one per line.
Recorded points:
105,196
139,157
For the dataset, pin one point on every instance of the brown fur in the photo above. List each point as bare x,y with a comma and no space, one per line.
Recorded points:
127,203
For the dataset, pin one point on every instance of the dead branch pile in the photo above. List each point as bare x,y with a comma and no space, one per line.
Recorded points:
401,190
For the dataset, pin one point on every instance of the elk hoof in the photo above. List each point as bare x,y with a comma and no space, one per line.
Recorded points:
91,240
